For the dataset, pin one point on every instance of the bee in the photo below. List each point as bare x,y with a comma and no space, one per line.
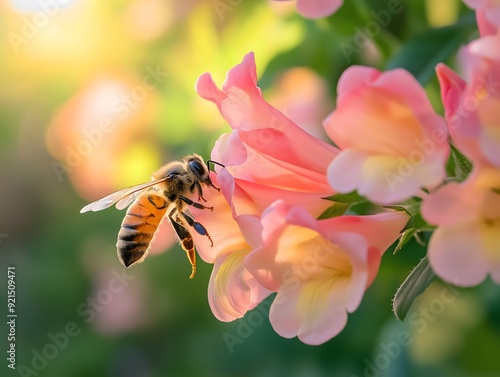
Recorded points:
148,203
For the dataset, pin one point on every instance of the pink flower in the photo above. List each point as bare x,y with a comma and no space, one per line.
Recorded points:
317,8
266,157
392,142
484,25
487,10
465,247
472,106
320,268
232,290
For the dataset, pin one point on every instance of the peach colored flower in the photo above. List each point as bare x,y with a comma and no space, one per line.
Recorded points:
320,268
232,290
317,8
465,247
392,142
472,106
266,157
489,10
484,25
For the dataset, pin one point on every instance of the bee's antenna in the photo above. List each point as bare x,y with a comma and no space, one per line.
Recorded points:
213,162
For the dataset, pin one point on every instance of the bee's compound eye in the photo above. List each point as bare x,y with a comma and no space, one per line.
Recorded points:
196,167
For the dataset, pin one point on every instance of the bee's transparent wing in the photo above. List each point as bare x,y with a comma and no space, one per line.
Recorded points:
128,200
122,198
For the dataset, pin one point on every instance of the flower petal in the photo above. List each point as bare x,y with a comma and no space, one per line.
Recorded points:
219,223
451,204
455,257
321,306
484,24
382,179
206,88
452,88
354,78
232,290
318,8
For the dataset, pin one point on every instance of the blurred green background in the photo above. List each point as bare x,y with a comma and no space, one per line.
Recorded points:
95,95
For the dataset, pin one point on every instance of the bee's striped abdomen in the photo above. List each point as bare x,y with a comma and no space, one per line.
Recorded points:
138,228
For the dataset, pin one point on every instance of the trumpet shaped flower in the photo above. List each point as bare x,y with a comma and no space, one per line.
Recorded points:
473,105
320,268
487,10
232,291
266,156
392,142
465,247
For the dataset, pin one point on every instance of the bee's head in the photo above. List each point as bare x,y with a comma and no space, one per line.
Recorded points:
199,169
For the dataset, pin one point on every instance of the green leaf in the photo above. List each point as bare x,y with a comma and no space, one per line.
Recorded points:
451,169
417,222
351,198
411,206
462,165
337,209
421,54
414,285
404,239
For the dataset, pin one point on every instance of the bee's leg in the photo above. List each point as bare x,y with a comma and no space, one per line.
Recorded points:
194,204
186,241
200,229
200,191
